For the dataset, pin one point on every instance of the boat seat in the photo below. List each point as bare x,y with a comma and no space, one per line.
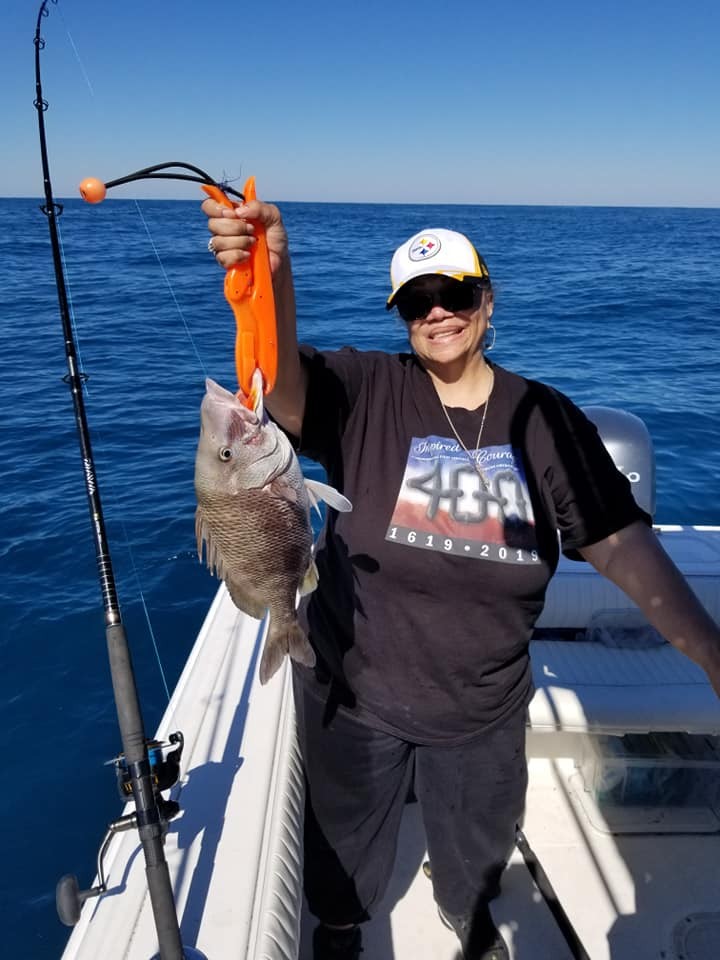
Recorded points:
586,687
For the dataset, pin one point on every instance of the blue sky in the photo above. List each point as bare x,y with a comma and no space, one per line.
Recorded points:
470,101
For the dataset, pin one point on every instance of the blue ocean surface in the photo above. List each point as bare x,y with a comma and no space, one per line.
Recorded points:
614,306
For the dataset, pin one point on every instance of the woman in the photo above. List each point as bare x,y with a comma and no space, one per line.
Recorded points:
461,474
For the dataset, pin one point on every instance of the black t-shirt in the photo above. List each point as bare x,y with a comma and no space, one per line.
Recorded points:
430,588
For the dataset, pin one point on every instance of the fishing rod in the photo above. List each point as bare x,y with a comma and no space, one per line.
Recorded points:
94,190
142,774
542,881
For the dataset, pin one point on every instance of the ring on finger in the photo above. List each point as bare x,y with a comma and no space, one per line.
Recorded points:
211,246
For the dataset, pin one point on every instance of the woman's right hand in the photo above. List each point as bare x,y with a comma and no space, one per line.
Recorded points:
232,237
233,231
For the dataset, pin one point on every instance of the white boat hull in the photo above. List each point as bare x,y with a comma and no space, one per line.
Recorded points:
235,851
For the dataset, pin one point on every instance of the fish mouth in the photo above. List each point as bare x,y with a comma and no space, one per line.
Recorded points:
252,404
217,393
254,400
225,412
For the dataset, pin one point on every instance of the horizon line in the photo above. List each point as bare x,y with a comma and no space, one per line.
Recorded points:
402,203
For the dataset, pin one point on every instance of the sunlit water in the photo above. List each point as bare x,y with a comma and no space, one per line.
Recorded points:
613,306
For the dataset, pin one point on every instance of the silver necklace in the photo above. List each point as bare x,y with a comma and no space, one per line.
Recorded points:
473,460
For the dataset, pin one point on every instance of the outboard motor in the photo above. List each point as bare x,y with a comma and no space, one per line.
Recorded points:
628,442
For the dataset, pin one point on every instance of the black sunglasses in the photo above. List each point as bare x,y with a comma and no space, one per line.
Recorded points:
453,296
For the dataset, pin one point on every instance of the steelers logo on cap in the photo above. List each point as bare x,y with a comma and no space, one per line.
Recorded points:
426,246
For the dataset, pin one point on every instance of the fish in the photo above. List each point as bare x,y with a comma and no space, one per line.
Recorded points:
252,520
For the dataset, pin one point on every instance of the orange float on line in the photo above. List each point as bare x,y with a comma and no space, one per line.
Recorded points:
248,290
93,190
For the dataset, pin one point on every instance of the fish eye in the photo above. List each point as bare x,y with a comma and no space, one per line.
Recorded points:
225,453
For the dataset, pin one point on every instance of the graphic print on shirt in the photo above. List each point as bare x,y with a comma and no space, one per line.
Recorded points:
442,504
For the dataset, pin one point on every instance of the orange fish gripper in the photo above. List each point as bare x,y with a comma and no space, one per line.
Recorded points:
248,290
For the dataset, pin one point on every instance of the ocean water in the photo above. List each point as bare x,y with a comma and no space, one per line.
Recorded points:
614,306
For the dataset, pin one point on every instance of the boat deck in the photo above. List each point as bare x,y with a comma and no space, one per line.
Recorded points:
234,853
628,897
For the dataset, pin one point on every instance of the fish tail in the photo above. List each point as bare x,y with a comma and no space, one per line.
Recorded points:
287,638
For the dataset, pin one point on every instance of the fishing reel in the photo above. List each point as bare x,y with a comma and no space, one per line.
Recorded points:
164,773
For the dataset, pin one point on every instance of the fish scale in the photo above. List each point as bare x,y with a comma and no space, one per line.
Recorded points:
254,531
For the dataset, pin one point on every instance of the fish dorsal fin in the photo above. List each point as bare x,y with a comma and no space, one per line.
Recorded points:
322,491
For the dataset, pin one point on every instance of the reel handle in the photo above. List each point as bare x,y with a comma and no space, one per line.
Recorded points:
69,898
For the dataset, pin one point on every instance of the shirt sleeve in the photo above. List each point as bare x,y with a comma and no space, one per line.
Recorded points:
592,498
335,379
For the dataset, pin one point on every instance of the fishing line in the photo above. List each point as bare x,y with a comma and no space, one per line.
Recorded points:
113,493
146,611
94,191
86,389
143,778
75,50
170,288
147,173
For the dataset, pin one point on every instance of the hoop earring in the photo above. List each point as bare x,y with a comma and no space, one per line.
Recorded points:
488,347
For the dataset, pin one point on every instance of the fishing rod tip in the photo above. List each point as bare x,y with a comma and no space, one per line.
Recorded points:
93,190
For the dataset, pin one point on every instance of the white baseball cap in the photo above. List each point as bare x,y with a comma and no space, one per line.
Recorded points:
435,251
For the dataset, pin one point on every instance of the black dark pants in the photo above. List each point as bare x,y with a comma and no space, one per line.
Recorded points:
357,779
